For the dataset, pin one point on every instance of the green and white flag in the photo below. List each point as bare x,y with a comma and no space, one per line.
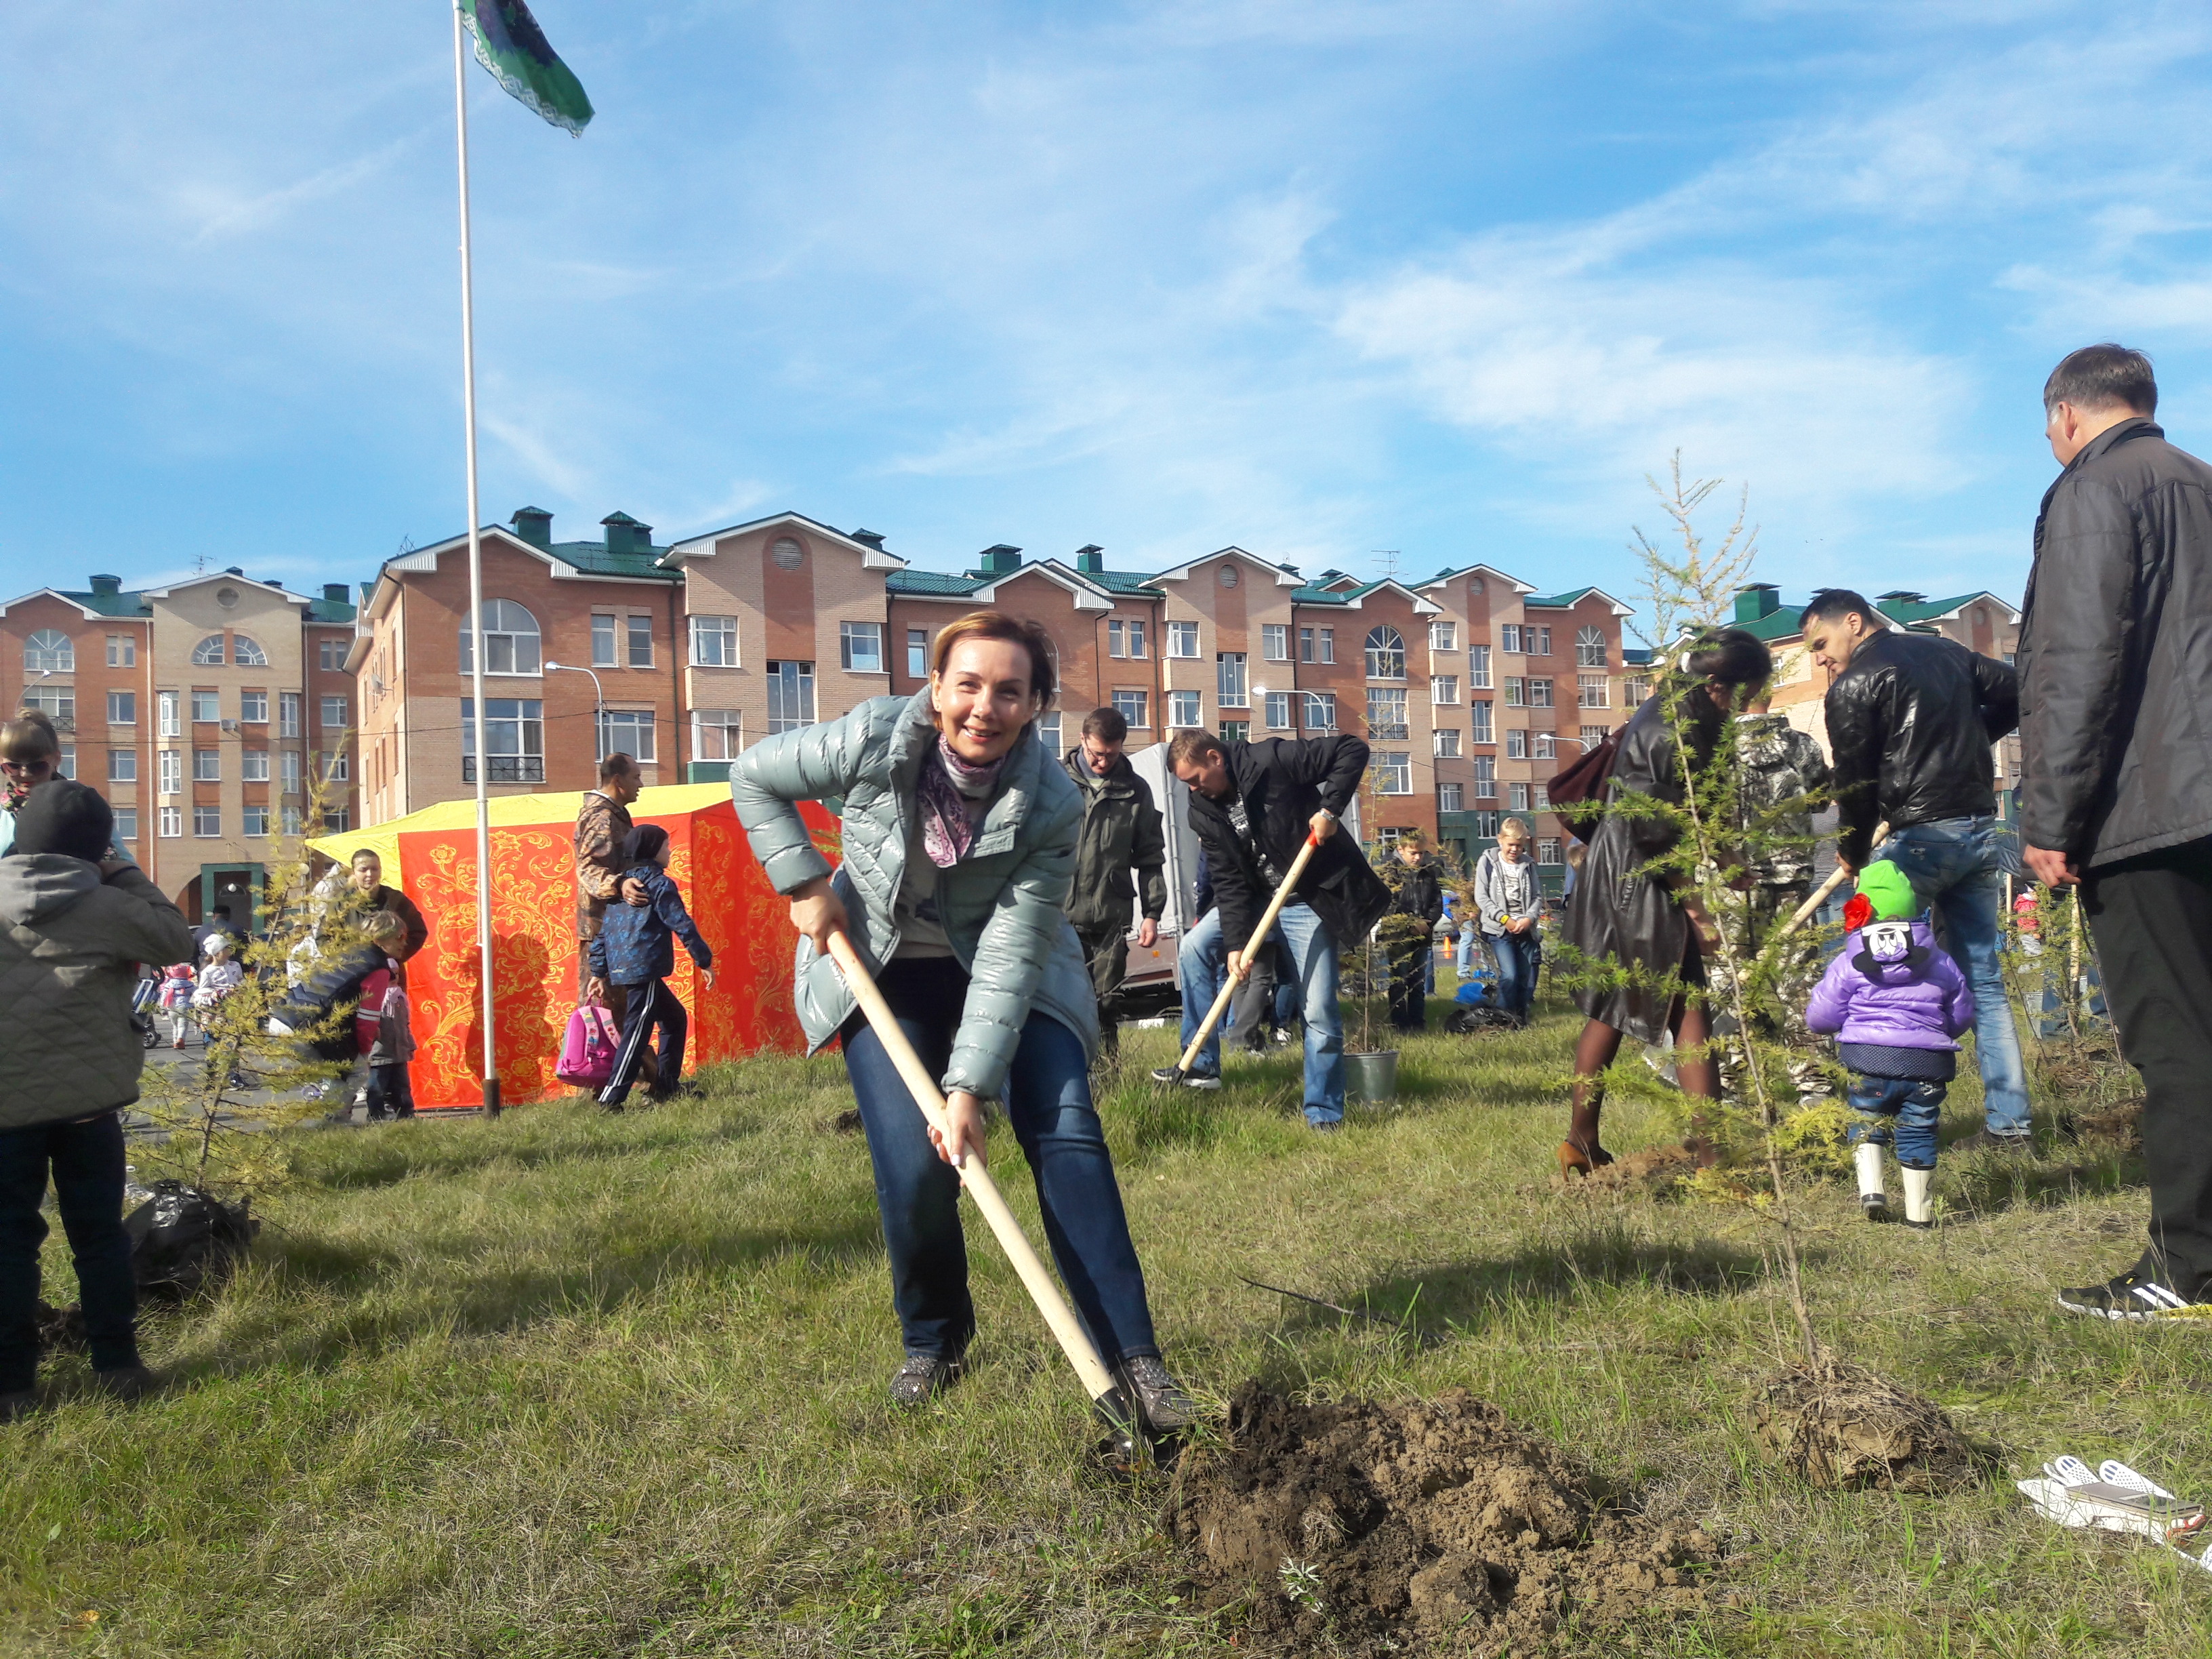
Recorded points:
514,49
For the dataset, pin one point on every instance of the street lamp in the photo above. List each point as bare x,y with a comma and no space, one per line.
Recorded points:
598,701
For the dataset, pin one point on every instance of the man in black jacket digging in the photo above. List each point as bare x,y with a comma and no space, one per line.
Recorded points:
1252,806
1120,837
1912,720
2115,699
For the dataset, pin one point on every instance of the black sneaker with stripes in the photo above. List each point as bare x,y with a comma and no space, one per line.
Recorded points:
2135,1296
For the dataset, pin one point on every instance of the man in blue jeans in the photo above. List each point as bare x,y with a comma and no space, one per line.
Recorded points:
1253,806
1911,721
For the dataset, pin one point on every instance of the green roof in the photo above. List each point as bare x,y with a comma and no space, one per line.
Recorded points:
593,560
328,611
1909,611
109,605
1557,601
937,583
1121,581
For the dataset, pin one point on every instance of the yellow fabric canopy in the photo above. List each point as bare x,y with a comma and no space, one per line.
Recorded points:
508,811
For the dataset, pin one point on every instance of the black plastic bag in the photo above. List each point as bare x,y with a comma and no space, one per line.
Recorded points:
184,1239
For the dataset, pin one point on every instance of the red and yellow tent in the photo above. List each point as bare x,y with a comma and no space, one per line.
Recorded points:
431,856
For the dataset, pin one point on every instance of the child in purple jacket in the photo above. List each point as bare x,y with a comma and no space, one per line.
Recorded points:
1894,1001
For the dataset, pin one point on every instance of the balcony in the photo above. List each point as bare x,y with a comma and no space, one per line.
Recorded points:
507,768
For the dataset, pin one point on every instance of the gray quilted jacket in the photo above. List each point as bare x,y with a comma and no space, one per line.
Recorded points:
70,949
1003,906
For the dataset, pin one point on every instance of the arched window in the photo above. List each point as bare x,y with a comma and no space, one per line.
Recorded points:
246,653
1386,653
49,652
511,640
787,553
208,653
1589,647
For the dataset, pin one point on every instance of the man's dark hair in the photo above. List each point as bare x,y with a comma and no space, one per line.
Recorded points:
1191,748
1107,725
222,910
1834,604
2103,377
616,765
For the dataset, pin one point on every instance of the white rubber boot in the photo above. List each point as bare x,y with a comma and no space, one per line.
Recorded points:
1917,1211
1872,1199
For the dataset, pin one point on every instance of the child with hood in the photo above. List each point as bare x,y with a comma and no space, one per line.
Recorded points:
635,949
1896,1003
178,989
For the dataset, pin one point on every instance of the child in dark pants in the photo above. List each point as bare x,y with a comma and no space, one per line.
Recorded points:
636,948
74,925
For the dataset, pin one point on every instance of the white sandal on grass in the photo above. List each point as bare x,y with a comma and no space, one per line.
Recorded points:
2115,1498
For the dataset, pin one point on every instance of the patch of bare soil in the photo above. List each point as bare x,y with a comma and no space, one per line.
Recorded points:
2120,1123
1430,1527
1651,1171
1838,1424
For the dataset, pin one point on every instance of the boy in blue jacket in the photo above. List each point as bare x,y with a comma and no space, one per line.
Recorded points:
637,949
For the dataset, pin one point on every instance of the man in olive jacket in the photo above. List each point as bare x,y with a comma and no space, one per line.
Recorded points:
2116,673
1122,836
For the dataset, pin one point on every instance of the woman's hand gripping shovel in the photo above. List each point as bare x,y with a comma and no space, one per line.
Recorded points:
1129,1442
1231,980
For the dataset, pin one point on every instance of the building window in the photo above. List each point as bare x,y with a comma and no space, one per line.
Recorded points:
334,713
1386,713
1450,797
1235,730
172,821
255,822
57,702
66,766
1485,824
246,653
514,738
331,654
1184,710
1134,707
1589,647
289,818
1320,711
603,643
1275,641
1182,638
917,654
1229,576
511,641
641,641
1485,777
207,766
1517,744
172,772
1537,640
629,731
50,651
1444,690
1306,645
1482,731
1279,711
1447,742
168,714
207,707
127,823
253,708
1509,638
122,653
1478,667
1590,691
1635,691
717,734
1048,732
1443,636
1117,641
861,647
208,653
787,553
1538,799
122,708
288,764
790,696
1328,645
714,641
1540,694
207,821
336,820
1386,653
1394,772
123,765
1594,735
1547,850
1516,691
288,714
1228,680
253,765
1546,745
1516,797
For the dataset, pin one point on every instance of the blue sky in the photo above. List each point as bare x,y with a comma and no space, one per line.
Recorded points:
1317,279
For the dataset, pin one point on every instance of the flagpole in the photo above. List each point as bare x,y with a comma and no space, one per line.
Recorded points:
476,579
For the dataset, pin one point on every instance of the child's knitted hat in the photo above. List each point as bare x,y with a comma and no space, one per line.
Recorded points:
1884,895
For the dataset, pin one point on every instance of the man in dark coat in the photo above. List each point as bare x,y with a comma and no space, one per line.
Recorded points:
1253,806
1912,720
1121,838
368,879
2116,698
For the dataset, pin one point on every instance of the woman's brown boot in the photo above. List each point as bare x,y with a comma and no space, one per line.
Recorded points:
1575,1159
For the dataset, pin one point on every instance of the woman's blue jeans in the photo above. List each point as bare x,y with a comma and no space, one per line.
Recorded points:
1048,1105
1518,955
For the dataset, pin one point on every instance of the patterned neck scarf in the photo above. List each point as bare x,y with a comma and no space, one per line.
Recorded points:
945,790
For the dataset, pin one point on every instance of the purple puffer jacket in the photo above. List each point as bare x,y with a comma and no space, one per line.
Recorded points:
1892,988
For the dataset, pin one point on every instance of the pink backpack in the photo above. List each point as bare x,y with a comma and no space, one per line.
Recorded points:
587,1052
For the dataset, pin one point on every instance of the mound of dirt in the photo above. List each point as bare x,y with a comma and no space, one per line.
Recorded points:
2120,1123
1839,1425
1653,1170
1433,1526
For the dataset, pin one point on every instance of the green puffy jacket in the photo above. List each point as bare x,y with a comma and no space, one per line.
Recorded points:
1002,907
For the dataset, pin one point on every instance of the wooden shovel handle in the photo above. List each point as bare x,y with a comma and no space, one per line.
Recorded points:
1835,880
1267,925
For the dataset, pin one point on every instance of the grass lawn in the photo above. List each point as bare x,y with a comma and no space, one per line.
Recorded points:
569,1384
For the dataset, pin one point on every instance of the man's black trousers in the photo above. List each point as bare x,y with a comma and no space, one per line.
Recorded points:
2151,919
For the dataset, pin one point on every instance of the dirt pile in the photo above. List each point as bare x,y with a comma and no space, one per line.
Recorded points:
1654,1171
2120,1123
1839,1425
1431,1526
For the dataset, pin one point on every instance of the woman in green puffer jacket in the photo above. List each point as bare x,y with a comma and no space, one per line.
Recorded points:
959,841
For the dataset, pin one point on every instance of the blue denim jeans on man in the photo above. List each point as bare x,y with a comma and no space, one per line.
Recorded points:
1912,1106
1048,1106
86,1161
1955,865
1202,962
1470,937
